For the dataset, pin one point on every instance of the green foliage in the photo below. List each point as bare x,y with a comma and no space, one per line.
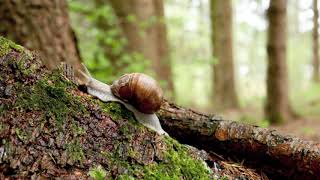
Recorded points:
102,44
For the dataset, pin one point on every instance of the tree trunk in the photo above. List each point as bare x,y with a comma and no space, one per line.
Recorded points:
144,35
315,39
163,66
275,154
42,26
277,106
224,91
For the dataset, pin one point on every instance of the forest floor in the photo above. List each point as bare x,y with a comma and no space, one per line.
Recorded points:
306,127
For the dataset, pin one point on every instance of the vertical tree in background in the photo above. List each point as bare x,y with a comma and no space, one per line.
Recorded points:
277,108
224,83
42,26
142,24
315,39
163,66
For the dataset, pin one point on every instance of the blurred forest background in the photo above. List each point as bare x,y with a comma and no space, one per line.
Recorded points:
255,61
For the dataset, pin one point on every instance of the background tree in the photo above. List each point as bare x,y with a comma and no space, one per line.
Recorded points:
42,26
109,29
277,107
315,40
224,91
143,26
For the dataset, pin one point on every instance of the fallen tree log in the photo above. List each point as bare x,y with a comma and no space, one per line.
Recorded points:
60,132
50,129
277,155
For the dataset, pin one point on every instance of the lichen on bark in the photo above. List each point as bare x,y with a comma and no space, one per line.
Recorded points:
49,128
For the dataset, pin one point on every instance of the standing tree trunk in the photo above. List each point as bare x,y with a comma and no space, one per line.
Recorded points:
42,26
315,39
145,35
163,66
224,83
277,107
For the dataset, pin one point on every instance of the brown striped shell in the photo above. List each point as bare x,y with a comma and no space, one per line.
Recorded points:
140,90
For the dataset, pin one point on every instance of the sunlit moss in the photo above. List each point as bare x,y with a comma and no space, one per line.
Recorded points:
97,173
6,46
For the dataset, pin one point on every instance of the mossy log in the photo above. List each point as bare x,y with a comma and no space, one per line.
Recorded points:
48,129
275,154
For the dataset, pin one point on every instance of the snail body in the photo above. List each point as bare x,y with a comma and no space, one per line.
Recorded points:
140,90
137,92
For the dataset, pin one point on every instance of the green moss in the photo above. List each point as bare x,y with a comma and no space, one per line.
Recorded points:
126,177
74,151
178,163
77,129
117,111
6,46
97,173
50,95
21,134
3,109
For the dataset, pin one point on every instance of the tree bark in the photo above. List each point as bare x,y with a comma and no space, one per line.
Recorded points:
42,26
49,98
277,155
315,39
163,66
50,130
145,36
224,91
277,107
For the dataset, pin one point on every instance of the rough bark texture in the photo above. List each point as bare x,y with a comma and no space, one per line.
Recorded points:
277,155
224,91
145,34
277,107
315,40
41,25
49,129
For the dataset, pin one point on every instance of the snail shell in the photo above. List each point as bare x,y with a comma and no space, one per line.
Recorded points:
140,90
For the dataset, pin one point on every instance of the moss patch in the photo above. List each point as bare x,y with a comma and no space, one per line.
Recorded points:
50,95
51,129
6,46
117,111
178,163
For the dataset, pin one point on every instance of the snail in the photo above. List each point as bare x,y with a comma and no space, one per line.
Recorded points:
140,90
136,91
